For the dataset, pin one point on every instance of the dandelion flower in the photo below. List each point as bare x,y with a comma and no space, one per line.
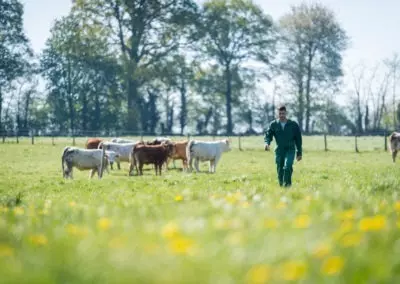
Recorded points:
6,250
270,223
38,240
397,206
333,265
3,209
178,198
72,204
302,221
246,204
293,270
103,224
375,223
281,205
259,274
170,230
181,246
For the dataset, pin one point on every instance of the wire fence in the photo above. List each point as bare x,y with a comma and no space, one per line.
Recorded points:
324,142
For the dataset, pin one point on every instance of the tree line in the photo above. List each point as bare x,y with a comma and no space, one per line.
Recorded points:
175,66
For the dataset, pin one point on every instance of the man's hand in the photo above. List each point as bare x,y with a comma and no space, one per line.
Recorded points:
266,148
298,158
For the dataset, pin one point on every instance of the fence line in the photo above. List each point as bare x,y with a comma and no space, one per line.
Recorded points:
322,142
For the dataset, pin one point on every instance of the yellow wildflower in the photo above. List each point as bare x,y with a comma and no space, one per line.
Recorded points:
178,198
72,204
76,231
293,270
18,211
235,239
170,230
103,224
375,223
181,246
6,250
308,198
302,221
321,250
270,223
351,240
259,274
397,206
39,240
333,265
44,212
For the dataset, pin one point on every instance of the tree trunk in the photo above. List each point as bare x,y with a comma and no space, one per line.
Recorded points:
71,113
308,91
366,119
300,101
26,110
97,110
84,111
183,114
133,107
1,108
229,127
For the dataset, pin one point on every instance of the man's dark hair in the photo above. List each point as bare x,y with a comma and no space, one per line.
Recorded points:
282,108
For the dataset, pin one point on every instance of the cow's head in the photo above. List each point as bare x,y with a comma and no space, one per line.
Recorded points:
112,157
171,149
226,145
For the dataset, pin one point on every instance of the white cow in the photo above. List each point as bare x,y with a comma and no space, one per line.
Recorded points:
122,149
206,151
112,157
122,140
83,159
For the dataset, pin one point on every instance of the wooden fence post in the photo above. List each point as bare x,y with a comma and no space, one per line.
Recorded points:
240,142
356,144
52,140
73,139
16,133
4,137
188,136
32,138
326,143
141,136
385,137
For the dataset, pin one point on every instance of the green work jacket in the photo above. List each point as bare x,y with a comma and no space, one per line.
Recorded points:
287,138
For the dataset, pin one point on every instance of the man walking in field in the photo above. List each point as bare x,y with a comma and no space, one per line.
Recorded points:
288,139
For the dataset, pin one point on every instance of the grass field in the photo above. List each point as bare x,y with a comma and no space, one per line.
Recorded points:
339,223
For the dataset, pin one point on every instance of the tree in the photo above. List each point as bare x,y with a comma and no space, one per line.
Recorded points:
14,47
231,32
142,32
313,42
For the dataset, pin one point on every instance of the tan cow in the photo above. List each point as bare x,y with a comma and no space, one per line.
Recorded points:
179,154
394,144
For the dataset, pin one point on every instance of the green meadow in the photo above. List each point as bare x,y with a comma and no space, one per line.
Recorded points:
338,223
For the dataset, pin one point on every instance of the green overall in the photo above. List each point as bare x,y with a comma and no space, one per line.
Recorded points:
287,141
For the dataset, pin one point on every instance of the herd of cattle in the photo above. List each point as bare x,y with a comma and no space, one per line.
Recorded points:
99,154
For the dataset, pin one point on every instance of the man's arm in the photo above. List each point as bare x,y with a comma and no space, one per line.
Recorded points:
269,135
299,141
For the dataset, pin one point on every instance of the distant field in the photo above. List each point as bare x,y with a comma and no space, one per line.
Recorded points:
339,223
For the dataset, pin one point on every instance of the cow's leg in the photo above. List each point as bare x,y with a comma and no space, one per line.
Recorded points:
184,165
216,160
190,162
394,154
211,166
119,165
156,168
99,175
196,164
111,165
140,168
130,169
92,172
173,162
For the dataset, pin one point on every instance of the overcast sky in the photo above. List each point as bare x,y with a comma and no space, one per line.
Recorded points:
372,25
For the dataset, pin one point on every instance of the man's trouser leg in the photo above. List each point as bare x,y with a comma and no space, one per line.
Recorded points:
288,168
280,162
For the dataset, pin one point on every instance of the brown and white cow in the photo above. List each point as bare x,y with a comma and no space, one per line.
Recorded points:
394,144
93,143
143,154
179,154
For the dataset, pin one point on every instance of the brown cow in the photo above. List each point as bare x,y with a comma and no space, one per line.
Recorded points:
150,154
394,144
179,154
93,143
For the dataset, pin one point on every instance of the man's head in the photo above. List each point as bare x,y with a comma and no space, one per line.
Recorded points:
282,113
